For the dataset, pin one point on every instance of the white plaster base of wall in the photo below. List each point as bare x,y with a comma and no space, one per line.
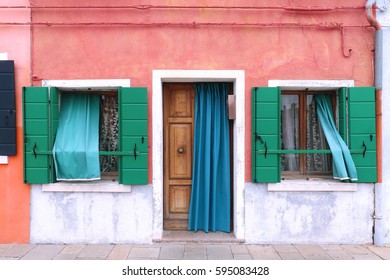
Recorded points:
85,217
308,217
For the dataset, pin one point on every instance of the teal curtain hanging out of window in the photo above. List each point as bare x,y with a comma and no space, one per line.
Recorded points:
210,194
76,148
343,165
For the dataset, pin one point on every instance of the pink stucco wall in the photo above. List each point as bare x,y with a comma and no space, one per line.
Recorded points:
266,43
14,195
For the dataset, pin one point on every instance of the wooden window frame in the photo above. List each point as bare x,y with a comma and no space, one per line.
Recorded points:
302,111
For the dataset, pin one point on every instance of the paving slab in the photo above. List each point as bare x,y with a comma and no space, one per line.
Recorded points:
70,252
66,257
73,249
263,252
239,249
144,252
366,257
95,252
313,252
242,256
195,252
291,256
219,252
120,252
285,248
16,251
331,247
4,248
355,249
339,255
172,252
383,252
43,252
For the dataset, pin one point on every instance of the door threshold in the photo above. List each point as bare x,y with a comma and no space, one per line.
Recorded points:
184,236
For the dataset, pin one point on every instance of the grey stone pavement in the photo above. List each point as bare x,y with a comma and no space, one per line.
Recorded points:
191,251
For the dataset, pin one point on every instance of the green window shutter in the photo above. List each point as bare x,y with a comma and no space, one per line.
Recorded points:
362,131
342,106
36,135
265,134
133,132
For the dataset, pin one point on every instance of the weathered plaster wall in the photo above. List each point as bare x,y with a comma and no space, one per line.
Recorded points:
14,195
85,217
308,217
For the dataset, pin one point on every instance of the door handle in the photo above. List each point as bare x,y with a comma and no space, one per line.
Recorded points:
180,150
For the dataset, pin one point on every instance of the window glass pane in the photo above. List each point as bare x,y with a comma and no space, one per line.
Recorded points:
290,131
109,132
315,140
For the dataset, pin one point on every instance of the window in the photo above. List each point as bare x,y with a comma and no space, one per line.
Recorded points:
40,117
356,125
94,115
301,130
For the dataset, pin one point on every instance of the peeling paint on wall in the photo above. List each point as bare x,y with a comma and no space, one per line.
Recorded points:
308,217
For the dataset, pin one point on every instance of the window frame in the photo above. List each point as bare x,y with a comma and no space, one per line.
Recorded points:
113,175
303,173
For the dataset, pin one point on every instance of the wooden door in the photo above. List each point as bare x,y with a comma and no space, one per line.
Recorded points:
178,150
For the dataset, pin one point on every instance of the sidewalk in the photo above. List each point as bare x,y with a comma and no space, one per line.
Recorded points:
191,251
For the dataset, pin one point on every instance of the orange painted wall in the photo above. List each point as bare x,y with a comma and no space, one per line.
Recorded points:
14,195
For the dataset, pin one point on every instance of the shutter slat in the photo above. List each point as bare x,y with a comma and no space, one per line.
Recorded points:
265,124
362,131
133,131
36,134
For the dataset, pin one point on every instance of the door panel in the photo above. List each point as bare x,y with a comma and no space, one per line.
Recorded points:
180,152
180,199
178,147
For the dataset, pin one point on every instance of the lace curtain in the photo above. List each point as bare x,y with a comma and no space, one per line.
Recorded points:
290,132
290,136
109,133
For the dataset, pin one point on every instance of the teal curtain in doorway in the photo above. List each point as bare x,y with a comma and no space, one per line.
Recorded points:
343,165
210,194
76,148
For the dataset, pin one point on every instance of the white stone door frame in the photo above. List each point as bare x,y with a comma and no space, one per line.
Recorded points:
238,79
